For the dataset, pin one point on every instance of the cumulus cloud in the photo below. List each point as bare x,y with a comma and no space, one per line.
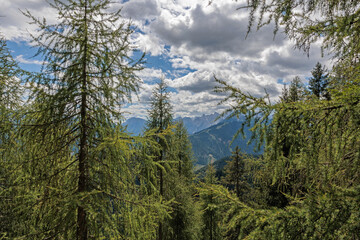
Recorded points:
21,59
140,10
14,25
211,40
151,74
195,82
199,41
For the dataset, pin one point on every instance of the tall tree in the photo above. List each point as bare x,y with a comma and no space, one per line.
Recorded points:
318,83
296,91
305,153
159,119
184,222
160,114
183,151
210,206
234,173
78,164
10,102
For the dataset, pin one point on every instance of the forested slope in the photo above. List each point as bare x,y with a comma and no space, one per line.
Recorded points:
217,142
70,170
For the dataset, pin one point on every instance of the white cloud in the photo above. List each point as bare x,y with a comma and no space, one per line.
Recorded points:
151,74
208,39
14,25
140,9
21,59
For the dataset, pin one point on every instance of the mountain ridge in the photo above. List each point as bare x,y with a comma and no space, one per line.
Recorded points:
136,125
209,143
217,142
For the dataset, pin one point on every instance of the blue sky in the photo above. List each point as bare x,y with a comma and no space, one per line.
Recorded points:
187,42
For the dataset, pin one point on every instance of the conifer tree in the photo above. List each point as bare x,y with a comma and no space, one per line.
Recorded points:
318,83
184,222
160,113
175,171
79,179
284,94
296,91
210,205
234,173
10,101
160,118
305,155
183,151
302,140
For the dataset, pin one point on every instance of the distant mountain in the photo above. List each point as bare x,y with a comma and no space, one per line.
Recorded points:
209,142
214,142
136,125
197,124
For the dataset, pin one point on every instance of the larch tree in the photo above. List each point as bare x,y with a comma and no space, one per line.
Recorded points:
235,173
310,150
184,221
295,92
175,168
160,118
183,151
319,82
211,214
10,102
79,178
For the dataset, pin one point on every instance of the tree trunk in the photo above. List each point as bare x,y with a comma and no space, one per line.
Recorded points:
83,147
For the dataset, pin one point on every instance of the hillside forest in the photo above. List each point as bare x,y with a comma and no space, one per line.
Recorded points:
69,168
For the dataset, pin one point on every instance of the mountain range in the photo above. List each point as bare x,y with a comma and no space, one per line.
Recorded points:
193,125
135,125
210,138
197,124
216,142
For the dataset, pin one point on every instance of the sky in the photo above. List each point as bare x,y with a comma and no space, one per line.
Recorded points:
187,42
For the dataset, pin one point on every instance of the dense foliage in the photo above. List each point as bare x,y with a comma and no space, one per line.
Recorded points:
74,172
174,176
310,163
69,169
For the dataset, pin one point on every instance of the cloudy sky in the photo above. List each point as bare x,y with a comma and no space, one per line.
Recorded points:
187,42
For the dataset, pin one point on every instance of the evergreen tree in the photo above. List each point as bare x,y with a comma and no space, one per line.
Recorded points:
318,83
308,162
234,173
160,118
306,155
284,94
183,151
160,113
184,222
78,176
211,207
296,91
10,101
175,169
